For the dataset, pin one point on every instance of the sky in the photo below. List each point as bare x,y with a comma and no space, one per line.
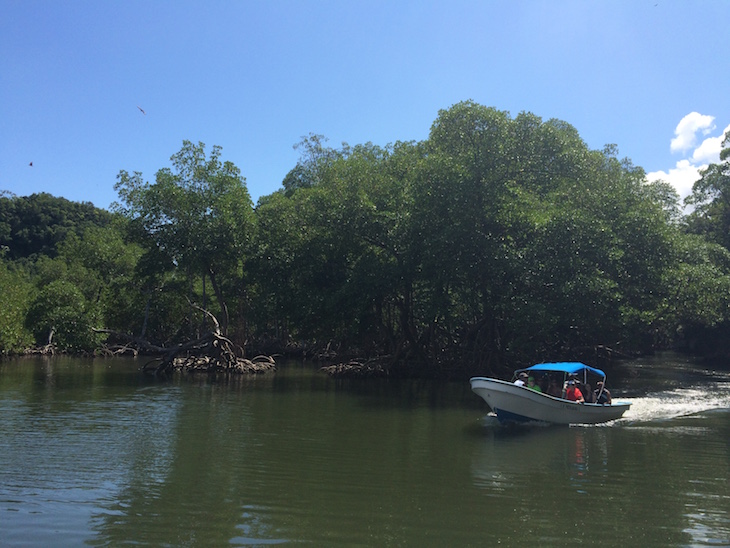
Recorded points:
89,87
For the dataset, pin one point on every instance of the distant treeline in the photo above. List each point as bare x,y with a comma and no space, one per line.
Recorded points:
497,241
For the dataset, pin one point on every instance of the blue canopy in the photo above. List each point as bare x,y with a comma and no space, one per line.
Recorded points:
566,367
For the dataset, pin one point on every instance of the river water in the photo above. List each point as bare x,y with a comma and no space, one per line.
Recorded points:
93,453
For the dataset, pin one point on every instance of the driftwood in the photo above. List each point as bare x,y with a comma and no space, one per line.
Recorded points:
208,364
213,352
48,349
356,369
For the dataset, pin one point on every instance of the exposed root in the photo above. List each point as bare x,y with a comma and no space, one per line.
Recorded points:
209,364
356,369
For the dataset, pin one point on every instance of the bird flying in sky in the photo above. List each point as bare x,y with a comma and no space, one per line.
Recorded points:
141,110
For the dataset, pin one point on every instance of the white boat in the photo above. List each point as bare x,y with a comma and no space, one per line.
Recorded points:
518,403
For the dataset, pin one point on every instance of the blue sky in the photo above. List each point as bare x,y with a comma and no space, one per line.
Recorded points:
652,77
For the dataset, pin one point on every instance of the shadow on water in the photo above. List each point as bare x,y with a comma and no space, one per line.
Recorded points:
489,426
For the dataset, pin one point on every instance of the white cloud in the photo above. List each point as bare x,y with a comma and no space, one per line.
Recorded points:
687,170
687,129
681,177
709,151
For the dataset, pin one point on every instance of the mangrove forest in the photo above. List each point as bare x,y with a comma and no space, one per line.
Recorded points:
498,241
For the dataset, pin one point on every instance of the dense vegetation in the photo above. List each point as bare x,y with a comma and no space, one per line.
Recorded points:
497,240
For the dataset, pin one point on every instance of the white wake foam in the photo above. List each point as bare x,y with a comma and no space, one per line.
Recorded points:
679,402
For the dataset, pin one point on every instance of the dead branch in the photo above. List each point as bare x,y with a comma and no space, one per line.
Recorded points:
211,352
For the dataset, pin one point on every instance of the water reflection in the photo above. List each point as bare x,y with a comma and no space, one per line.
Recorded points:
213,446
71,446
660,475
550,456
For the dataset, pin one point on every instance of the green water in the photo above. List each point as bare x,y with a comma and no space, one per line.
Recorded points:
93,453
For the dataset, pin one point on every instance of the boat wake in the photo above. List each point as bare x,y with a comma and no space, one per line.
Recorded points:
680,402
658,406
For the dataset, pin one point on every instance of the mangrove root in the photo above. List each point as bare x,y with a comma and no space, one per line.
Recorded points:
356,369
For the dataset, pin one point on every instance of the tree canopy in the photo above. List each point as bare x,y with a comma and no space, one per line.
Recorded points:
497,240
196,217
34,225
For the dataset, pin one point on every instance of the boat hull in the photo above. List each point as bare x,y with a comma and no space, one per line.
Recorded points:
514,403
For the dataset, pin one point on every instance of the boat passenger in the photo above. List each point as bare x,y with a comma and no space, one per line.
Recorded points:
554,389
521,379
602,395
572,379
588,395
573,393
533,385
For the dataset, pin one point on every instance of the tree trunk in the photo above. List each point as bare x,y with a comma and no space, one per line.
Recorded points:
221,302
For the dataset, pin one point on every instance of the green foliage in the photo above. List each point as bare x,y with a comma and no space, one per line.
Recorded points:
315,159
711,200
37,229
196,218
60,314
102,265
15,291
497,239
701,285
327,254
34,225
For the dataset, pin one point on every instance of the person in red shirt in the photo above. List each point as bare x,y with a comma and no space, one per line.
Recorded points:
573,393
